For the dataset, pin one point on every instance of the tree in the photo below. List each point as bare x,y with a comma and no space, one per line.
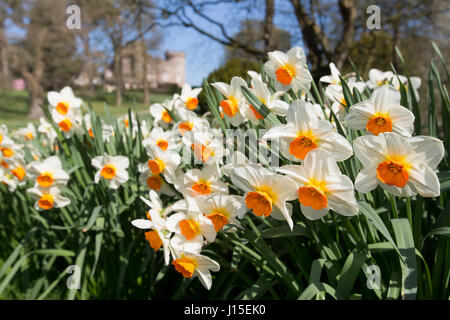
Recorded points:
234,67
328,28
120,23
6,9
46,57
92,12
253,33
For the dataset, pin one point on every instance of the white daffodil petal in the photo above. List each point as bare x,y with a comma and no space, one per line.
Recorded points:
369,149
142,223
367,179
312,214
430,149
425,181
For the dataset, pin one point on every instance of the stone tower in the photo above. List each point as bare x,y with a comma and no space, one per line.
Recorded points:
173,68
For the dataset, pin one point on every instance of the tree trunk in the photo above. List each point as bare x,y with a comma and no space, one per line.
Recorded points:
88,67
396,44
144,79
5,79
36,101
347,9
118,76
35,97
268,26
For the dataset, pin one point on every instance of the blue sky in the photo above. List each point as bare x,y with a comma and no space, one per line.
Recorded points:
203,55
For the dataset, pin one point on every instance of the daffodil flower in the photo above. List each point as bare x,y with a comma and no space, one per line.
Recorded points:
189,121
403,166
266,192
333,78
154,181
381,113
160,115
64,101
289,70
415,82
69,123
322,186
9,150
46,129
305,132
48,173
335,93
18,169
195,265
48,198
190,228
162,162
206,147
221,209
112,170
271,101
165,140
28,133
196,182
156,204
159,235
234,99
378,78
189,97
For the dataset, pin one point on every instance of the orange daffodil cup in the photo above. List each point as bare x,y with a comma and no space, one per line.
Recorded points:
49,177
64,101
189,97
322,186
194,264
233,103
112,170
158,236
266,192
381,113
205,182
289,70
48,173
271,101
48,198
403,166
191,228
65,111
304,132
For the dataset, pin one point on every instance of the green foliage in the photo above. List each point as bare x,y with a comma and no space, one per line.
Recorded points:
373,49
233,68
252,34
407,238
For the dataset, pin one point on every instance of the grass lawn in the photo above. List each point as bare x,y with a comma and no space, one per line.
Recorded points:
14,105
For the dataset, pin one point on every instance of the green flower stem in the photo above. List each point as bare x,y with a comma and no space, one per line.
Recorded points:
349,226
408,211
393,205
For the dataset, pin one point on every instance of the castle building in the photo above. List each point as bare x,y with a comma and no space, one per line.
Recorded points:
171,70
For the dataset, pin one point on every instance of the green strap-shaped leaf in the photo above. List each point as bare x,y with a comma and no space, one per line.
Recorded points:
316,288
350,272
260,107
441,231
405,243
375,219
285,231
395,284
213,105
